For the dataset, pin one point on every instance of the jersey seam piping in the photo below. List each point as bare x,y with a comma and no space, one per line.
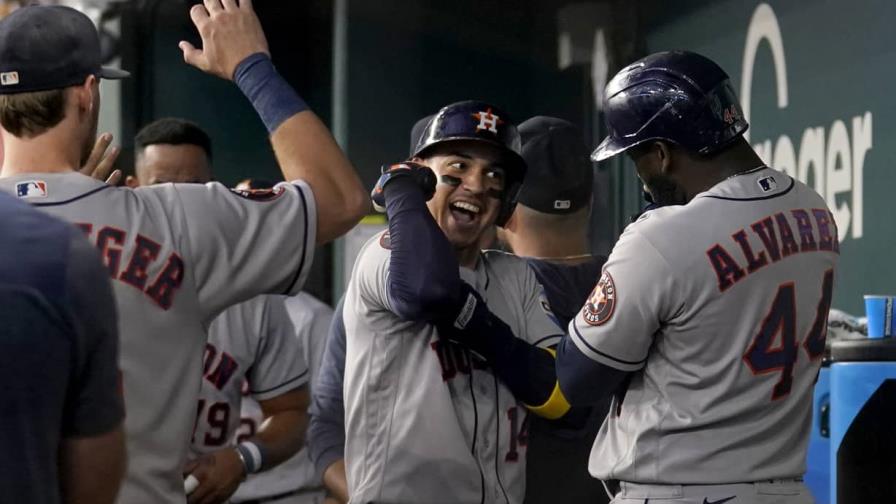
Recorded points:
299,271
757,198
73,199
602,354
287,382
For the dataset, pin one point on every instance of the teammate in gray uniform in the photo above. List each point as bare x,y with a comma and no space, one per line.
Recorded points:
712,308
178,254
295,481
427,419
254,340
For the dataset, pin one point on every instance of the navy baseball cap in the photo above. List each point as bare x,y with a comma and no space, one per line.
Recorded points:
417,131
559,180
45,47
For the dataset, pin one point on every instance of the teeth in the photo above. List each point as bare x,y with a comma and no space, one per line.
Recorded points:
467,206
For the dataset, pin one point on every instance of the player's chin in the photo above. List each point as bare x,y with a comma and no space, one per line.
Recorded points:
463,235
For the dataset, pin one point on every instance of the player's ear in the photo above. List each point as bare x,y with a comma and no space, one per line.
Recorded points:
85,96
131,181
663,152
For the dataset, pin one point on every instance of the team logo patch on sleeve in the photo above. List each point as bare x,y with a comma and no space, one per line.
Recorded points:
600,306
260,194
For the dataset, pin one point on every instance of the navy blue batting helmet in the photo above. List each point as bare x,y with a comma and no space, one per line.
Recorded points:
677,96
482,122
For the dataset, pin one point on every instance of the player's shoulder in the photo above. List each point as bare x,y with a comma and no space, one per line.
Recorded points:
307,306
500,260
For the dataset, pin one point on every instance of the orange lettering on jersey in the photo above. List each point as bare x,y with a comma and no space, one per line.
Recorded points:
765,229
788,244
454,359
145,252
754,262
110,240
779,243
111,243
804,226
600,306
220,372
823,220
167,282
727,270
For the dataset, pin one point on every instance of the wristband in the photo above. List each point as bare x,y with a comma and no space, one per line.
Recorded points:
272,97
250,455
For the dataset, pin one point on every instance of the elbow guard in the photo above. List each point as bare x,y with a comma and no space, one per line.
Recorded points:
556,405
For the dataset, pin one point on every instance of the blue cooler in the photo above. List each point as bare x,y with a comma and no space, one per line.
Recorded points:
863,421
818,459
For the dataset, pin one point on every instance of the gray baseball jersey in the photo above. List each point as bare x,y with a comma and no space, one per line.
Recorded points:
719,307
253,341
426,420
311,319
178,255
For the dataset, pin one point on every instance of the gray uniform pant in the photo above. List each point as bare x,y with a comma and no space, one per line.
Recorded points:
766,492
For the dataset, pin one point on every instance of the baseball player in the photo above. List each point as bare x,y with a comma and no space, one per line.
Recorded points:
254,340
178,254
549,227
709,319
295,481
428,419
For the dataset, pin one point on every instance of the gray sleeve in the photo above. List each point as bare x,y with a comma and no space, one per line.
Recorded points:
326,431
94,403
634,294
246,243
279,364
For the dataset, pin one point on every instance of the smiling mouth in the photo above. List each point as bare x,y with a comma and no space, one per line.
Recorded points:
464,212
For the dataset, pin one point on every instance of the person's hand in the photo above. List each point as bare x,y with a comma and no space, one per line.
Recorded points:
422,175
102,158
219,475
230,33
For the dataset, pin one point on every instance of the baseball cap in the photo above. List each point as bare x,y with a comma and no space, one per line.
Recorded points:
417,132
46,47
560,176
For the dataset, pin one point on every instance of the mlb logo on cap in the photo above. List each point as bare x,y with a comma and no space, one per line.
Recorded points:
31,189
9,78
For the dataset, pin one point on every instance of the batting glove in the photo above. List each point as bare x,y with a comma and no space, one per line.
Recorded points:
422,175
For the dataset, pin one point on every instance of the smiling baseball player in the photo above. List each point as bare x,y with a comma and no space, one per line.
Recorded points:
178,254
429,419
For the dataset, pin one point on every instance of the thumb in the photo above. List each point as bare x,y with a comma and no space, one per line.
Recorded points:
192,56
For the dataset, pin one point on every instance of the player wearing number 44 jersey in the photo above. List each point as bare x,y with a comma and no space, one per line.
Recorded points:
711,311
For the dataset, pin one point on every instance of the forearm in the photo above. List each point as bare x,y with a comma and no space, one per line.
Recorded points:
326,432
585,382
282,433
304,147
423,270
336,481
91,468
527,370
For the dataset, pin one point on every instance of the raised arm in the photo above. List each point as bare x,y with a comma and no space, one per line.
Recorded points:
234,48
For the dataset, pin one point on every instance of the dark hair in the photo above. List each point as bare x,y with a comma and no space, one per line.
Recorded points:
30,114
173,131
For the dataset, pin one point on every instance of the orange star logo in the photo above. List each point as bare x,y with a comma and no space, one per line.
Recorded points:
487,121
